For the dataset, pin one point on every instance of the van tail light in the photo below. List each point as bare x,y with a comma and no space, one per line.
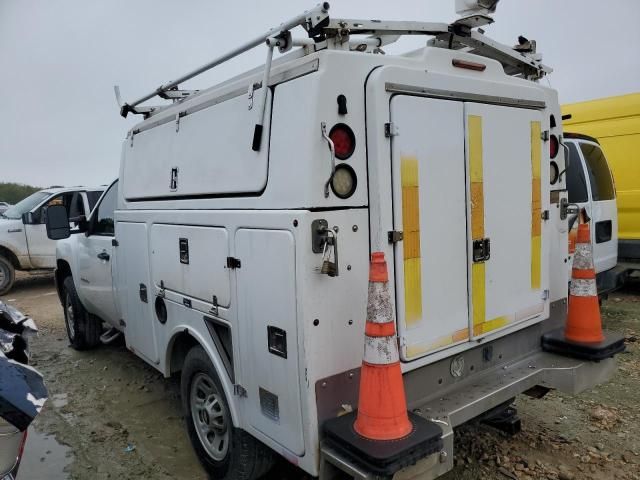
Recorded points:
554,145
344,141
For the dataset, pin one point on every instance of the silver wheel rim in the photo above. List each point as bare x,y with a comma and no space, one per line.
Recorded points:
209,415
68,317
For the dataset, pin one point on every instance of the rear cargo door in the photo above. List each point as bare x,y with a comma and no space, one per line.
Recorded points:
468,197
429,204
509,279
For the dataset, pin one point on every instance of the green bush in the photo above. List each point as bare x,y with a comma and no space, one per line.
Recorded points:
14,192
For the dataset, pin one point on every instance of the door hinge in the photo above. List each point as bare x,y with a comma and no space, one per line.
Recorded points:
233,262
114,243
481,250
544,135
390,130
395,236
239,390
545,294
545,215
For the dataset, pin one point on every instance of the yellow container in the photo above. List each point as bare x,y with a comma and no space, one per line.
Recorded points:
615,122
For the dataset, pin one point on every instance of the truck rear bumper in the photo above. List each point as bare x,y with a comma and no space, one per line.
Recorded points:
455,390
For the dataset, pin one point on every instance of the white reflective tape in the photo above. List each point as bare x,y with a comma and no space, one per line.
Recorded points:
583,257
379,309
583,288
381,350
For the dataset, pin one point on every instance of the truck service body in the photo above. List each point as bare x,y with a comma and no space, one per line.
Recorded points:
259,256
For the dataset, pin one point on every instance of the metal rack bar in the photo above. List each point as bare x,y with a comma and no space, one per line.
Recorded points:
309,19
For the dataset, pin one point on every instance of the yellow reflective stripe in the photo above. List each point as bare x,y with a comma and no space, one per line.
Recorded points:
490,325
421,348
536,205
477,214
411,243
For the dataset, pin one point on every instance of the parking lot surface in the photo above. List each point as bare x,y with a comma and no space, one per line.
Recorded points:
110,415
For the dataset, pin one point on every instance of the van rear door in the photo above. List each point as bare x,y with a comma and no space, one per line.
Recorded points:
469,198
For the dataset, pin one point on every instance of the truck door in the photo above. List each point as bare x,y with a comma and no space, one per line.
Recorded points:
95,260
467,196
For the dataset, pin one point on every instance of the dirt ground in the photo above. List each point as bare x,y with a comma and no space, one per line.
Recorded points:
112,416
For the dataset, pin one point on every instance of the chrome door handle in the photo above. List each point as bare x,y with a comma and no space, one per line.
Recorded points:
104,256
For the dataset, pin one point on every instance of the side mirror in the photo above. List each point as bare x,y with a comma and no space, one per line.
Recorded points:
27,218
58,222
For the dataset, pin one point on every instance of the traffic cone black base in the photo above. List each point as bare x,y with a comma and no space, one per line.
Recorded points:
383,457
556,342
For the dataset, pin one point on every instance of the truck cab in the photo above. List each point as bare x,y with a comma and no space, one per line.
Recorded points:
23,237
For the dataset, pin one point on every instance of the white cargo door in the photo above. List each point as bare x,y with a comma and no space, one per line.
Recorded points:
268,335
429,204
507,198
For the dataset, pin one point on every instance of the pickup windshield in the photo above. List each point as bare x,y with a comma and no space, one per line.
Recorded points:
25,205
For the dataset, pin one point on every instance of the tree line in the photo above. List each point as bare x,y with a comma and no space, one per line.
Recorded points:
14,192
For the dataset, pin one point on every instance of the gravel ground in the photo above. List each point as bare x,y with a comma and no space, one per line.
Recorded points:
112,416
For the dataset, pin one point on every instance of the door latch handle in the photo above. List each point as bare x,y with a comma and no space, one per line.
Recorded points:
104,256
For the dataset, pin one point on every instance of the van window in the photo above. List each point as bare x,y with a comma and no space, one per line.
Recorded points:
103,213
599,174
576,184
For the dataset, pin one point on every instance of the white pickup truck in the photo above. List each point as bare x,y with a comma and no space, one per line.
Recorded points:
23,238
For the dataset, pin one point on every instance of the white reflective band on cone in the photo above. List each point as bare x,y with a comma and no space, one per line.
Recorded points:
381,350
583,288
583,257
379,309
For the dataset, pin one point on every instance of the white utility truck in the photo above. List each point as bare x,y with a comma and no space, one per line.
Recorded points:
23,237
234,247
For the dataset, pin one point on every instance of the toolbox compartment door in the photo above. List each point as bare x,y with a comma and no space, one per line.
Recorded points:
204,153
429,206
268,335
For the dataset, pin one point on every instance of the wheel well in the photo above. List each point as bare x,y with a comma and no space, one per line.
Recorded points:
63,271
182,343
9,255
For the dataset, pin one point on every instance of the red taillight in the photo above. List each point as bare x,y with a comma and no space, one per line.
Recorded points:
553,146
344,141
23,442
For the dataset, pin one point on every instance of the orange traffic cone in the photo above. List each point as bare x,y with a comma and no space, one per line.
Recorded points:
583,320
381,436
382,408
583,336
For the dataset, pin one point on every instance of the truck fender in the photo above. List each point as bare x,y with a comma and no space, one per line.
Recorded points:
207,344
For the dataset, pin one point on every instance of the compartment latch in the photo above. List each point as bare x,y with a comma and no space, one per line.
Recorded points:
481,250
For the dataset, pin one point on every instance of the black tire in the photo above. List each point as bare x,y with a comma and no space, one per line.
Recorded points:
7,275
246,458
83,329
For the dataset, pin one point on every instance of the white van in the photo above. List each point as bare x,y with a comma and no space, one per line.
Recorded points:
234,248
598,197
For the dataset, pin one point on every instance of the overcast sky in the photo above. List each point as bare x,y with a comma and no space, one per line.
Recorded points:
59,60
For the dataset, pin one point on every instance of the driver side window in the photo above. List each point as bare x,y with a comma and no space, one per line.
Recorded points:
69,200
103,223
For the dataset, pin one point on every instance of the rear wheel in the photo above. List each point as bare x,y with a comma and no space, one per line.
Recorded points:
83,329
7,275
225,452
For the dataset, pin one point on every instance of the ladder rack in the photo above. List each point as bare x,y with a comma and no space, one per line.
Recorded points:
325,32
